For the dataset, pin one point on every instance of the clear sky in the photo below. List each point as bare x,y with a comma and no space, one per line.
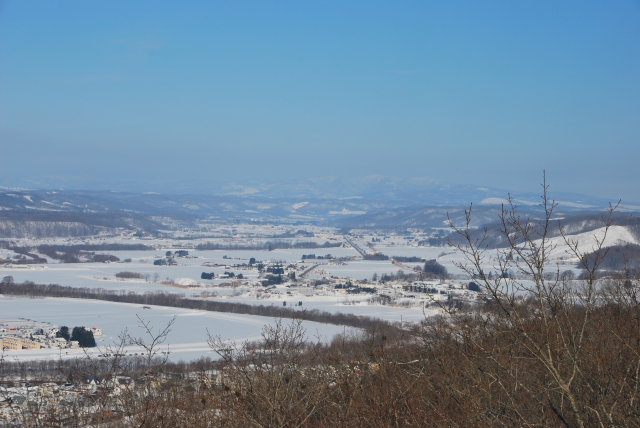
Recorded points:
492,92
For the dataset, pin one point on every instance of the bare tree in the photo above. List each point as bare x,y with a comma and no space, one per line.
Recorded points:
535,342
273,382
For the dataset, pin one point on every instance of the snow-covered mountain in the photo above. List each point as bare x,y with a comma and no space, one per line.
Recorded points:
373,202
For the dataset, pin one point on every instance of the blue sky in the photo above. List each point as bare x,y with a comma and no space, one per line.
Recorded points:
94,94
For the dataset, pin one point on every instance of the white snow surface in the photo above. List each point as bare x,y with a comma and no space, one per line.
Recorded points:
587,242
186,281
187,340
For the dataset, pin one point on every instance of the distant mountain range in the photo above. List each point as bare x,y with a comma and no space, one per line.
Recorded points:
375,201
387,190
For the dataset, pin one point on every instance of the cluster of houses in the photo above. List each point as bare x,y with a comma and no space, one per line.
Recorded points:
18,334
407,294
63,399
286,280
277,280
66,398
15,402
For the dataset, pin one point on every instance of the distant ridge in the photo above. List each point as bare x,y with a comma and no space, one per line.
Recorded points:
373,201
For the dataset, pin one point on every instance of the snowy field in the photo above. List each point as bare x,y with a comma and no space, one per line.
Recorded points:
350,304
187,340
101,275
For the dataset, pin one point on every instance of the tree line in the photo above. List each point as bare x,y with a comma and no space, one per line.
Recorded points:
408,259
81,335
620,258
267,246
129,275
76,247
81,253
30,289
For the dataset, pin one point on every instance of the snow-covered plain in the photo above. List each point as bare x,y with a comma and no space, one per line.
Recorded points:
348,304
187,340
101,275
188,271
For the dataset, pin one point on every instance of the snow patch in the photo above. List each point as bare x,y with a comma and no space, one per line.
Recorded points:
249,191
587,241
494,200
185,281
347,212
630,207
574,204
